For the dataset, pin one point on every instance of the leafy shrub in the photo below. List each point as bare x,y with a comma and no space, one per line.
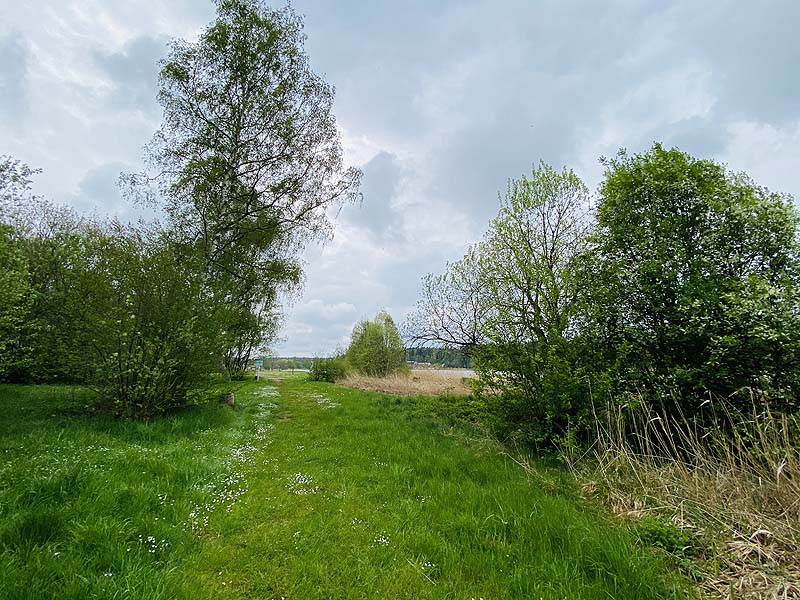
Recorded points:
328,369
150,334
661,533
16,299
686,288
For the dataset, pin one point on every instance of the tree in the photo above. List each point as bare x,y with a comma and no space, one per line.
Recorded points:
512,301
248,159
15,189
695,279
453,307
530,264
45,239
376,348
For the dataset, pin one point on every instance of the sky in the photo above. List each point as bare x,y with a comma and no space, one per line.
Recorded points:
440,103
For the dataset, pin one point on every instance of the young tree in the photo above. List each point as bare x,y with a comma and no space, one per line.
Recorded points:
376,348
512,300
453,307
530,263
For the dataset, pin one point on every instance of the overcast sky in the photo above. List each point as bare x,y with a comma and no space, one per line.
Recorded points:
439,103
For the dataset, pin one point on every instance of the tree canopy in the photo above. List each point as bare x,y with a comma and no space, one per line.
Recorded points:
245,165
248,155
695,276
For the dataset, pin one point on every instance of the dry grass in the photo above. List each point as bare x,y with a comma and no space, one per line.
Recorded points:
734,484
428,382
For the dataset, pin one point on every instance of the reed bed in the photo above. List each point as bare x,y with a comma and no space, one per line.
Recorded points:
730,479
422,382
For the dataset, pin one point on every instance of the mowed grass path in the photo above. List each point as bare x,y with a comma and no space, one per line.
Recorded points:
305,491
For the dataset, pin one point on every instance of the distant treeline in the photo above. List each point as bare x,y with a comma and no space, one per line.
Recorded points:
289,362
446,357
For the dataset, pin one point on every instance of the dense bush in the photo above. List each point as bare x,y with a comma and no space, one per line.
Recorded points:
330,369
142,314
694,281
148,324
16,300
118,309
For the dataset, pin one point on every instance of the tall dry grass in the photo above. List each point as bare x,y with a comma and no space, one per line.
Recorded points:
427,382
734,482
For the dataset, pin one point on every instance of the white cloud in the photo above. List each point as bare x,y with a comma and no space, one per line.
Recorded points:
769,154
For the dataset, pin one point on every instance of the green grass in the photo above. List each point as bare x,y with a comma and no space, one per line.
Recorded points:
305,491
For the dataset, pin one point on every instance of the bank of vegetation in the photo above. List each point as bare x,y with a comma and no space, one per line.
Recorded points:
375,351
652,342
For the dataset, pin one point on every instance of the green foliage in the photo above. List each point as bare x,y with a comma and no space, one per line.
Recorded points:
446,357
41,251
291,362
247,162
330,369
685,288
695,279
121,310
375,347
520,286
660,533
16,300
58,256
150,332
248,159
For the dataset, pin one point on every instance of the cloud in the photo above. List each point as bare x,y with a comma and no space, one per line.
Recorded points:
133,72
317,327
14,58
769,154
319,311
98,192
754,52
380,184
440,103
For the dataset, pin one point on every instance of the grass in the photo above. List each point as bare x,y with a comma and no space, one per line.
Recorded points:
419,382
304,490
729,491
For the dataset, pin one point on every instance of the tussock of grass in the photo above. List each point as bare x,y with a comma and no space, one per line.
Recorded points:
733,485
423,382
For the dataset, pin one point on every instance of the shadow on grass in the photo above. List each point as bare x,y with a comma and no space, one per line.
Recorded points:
29,409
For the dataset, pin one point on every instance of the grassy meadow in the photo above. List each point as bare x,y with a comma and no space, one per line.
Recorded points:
304,490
